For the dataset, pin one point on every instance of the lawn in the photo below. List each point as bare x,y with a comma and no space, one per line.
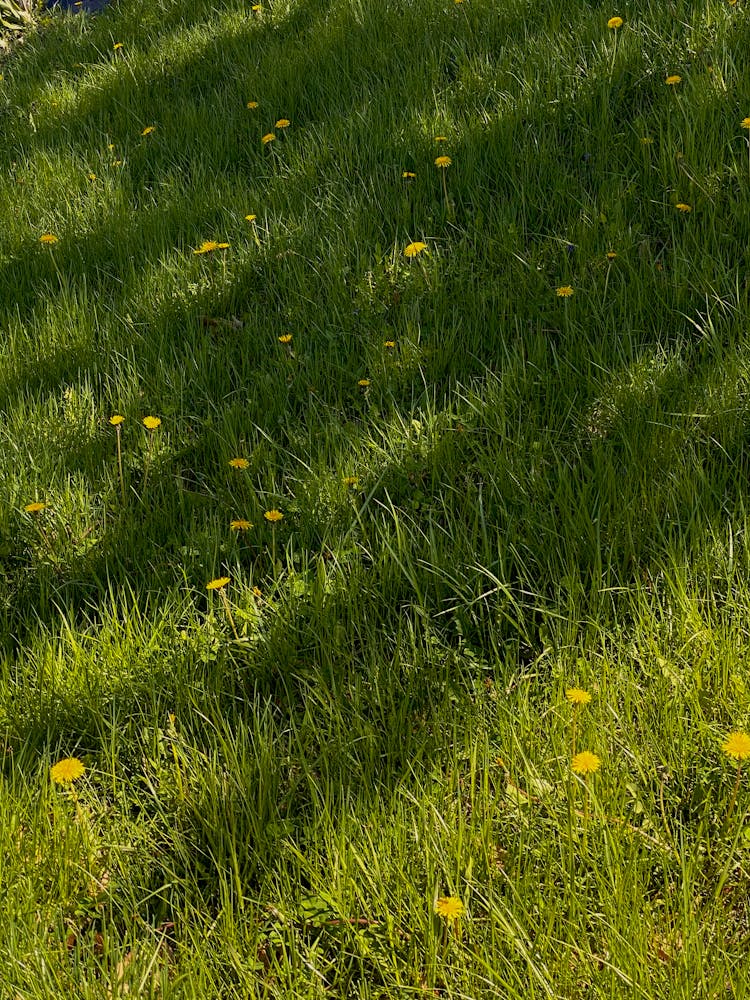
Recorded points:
375,420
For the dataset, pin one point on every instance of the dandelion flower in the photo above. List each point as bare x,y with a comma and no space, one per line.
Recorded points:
92,177
577,696
66,771
207,246
116,46
239,463
273,516
737,745
611,255
564,291
148,130
408,174
682,207
116,419
268,138
218,584
252,105
283,123
151,423
614,23
257,592
449,907
240,524
250,218
34,508
350,480
256,8
586,762
745,123
673,80
285,338
389,343
443,162
414,249
441,138
363,383
48,239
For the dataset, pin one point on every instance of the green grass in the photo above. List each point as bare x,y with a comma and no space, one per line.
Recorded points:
548,492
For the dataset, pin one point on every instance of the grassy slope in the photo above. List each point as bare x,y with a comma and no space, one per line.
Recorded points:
550,491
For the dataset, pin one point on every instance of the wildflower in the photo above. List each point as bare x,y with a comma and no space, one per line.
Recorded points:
116,163
151,423
285,338
48,238
148,130
614,23
564,291
240,525
441,138
92,177
208,245
252,105
34,508
673,80
408,174
283,123
66,771
239,463
443,162
647,140
577,696
611,255
273,516
363,383
737,745
257,592
256,8
116,419
350,480
218,584
414,249
586,762
268,138
389,343
117,45
250,218
745,123
449,907
682,207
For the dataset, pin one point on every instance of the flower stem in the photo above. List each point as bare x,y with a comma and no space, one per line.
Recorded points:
228,610
119,463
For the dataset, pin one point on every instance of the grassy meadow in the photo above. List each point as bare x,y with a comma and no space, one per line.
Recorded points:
469,512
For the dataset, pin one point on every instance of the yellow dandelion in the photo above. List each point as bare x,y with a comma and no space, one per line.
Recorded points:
117,46
408,174
441,138
363,383
239,463
283,123
611,255
240,524
34,508
116,419
207,246
270,137
219,583
151,423
92,177
737,745
257,592
586,762
285,338
449,907
350,481
389,343
273,516
252,105
615,23
256,8
673,80
250,218
682,207
66,771
564,291
443,162
577,696
745,123
415,249
148,130
48,239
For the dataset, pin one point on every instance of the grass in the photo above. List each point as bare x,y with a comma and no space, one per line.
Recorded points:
490,493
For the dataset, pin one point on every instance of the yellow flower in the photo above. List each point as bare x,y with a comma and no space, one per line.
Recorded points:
389,343
737,745
257,592
682,207
256,8
240,524
116,163
586,762
117,45
449,907
148,130
363,383
48,238
647,140
614,22
350,481
273,516
577,696
34,508
414,249
116,419
252,105
408,174
67,770
151,423
441,138
564,291
745,123
268,138
250,218
218,584
92,177
673,80
239,463
285,338
283,123
611,255
443,162
208,245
